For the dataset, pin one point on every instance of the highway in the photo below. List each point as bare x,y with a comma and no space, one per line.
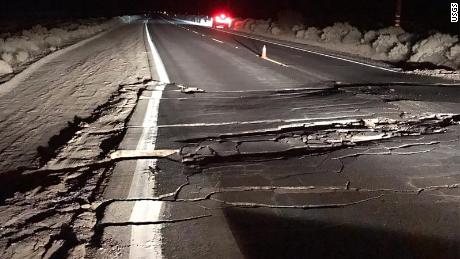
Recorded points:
306,154
268,173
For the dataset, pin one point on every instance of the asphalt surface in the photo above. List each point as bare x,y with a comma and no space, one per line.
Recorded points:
271,166
305,155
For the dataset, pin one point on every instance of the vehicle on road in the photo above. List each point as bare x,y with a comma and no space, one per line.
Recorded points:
221,21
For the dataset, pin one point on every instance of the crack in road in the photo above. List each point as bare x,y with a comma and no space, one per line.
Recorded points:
38,213
173,197
302,207
79,142
390,151
310,138
57,223
164,221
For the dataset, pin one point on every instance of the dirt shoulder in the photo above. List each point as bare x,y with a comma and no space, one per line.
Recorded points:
42,110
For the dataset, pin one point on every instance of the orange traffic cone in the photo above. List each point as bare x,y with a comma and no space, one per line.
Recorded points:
264,52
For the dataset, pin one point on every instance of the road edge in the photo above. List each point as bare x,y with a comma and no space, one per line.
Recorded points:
146,240
9,85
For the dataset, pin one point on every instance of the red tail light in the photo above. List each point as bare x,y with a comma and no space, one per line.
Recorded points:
223,18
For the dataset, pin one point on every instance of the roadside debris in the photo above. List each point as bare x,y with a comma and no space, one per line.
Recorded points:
141,154
190,90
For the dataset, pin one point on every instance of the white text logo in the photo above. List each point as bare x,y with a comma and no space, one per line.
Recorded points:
453,12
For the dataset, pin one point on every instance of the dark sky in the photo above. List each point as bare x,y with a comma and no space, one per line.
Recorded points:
417,14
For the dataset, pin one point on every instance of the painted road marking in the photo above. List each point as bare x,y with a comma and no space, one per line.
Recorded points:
216,40
146,239
311,51
303,50
276,62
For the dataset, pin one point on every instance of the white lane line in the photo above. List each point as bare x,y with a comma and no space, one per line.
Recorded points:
216,40
276,62
161,70
146,240
311,51
305,50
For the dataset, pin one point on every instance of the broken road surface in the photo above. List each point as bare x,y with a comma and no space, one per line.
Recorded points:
217,153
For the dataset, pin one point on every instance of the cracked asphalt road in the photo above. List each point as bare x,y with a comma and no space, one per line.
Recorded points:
320,159
281,162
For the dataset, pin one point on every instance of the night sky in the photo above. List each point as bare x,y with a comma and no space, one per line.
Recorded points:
417,14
